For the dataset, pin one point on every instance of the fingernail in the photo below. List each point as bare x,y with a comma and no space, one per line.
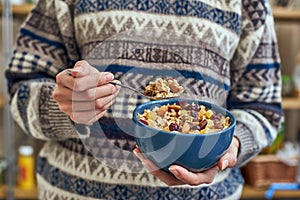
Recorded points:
69,72
135,151
137,154
224,164
173,171
109,77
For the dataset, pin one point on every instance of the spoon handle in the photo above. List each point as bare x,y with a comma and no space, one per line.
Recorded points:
128,87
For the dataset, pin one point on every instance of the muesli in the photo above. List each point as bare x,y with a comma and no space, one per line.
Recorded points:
162,88
183,117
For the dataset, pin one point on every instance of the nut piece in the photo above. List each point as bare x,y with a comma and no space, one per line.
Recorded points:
185,128
175,107
162,110
174,88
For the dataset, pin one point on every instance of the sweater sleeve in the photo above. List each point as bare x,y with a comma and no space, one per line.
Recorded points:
255,97
45,45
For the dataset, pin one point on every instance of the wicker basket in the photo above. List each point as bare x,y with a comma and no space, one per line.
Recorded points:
264,170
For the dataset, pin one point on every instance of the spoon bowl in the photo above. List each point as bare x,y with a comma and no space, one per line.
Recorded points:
141,93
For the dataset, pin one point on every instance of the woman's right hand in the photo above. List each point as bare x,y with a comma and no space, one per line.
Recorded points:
85,95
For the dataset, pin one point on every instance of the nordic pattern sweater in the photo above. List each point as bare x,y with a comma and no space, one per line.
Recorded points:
224,51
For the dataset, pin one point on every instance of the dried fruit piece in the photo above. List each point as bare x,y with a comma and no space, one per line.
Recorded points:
173,127
144,121
202,124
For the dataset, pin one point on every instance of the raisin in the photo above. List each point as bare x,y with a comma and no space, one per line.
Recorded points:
173,127
202,124
144,121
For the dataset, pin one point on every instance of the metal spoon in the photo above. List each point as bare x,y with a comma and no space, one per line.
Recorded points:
131,88
139,92
68,71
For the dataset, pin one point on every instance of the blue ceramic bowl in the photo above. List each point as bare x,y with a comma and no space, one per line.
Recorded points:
195,152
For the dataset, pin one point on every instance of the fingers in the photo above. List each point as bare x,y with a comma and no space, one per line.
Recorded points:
167,178
80,106
63,79
90,81
90,94
229,159
82,77
183,176
179,175
191,178
95,93
83,93
82,68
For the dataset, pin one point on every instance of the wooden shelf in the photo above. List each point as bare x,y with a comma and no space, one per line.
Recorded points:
286,13
250,192
22,9
1,101
20,193
291,102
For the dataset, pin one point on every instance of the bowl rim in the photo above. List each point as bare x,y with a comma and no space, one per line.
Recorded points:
166,101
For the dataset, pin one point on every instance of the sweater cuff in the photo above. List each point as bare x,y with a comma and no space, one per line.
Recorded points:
248,145
59,125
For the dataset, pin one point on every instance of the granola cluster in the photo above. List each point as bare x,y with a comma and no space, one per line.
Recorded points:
162,88
185,118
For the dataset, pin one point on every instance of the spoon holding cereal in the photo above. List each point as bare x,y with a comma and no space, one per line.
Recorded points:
158,89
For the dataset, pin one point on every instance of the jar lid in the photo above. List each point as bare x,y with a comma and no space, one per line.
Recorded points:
26,150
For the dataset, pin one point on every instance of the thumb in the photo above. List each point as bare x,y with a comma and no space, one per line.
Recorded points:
104,78
229,159
83,68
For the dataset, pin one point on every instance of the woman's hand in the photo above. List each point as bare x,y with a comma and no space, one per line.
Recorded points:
85,95
181,176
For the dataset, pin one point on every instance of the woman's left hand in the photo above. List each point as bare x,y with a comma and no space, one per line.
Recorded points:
181,175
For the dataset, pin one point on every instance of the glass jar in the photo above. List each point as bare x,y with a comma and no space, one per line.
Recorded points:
26,177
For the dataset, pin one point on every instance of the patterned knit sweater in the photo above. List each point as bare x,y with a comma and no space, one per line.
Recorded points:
224,51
